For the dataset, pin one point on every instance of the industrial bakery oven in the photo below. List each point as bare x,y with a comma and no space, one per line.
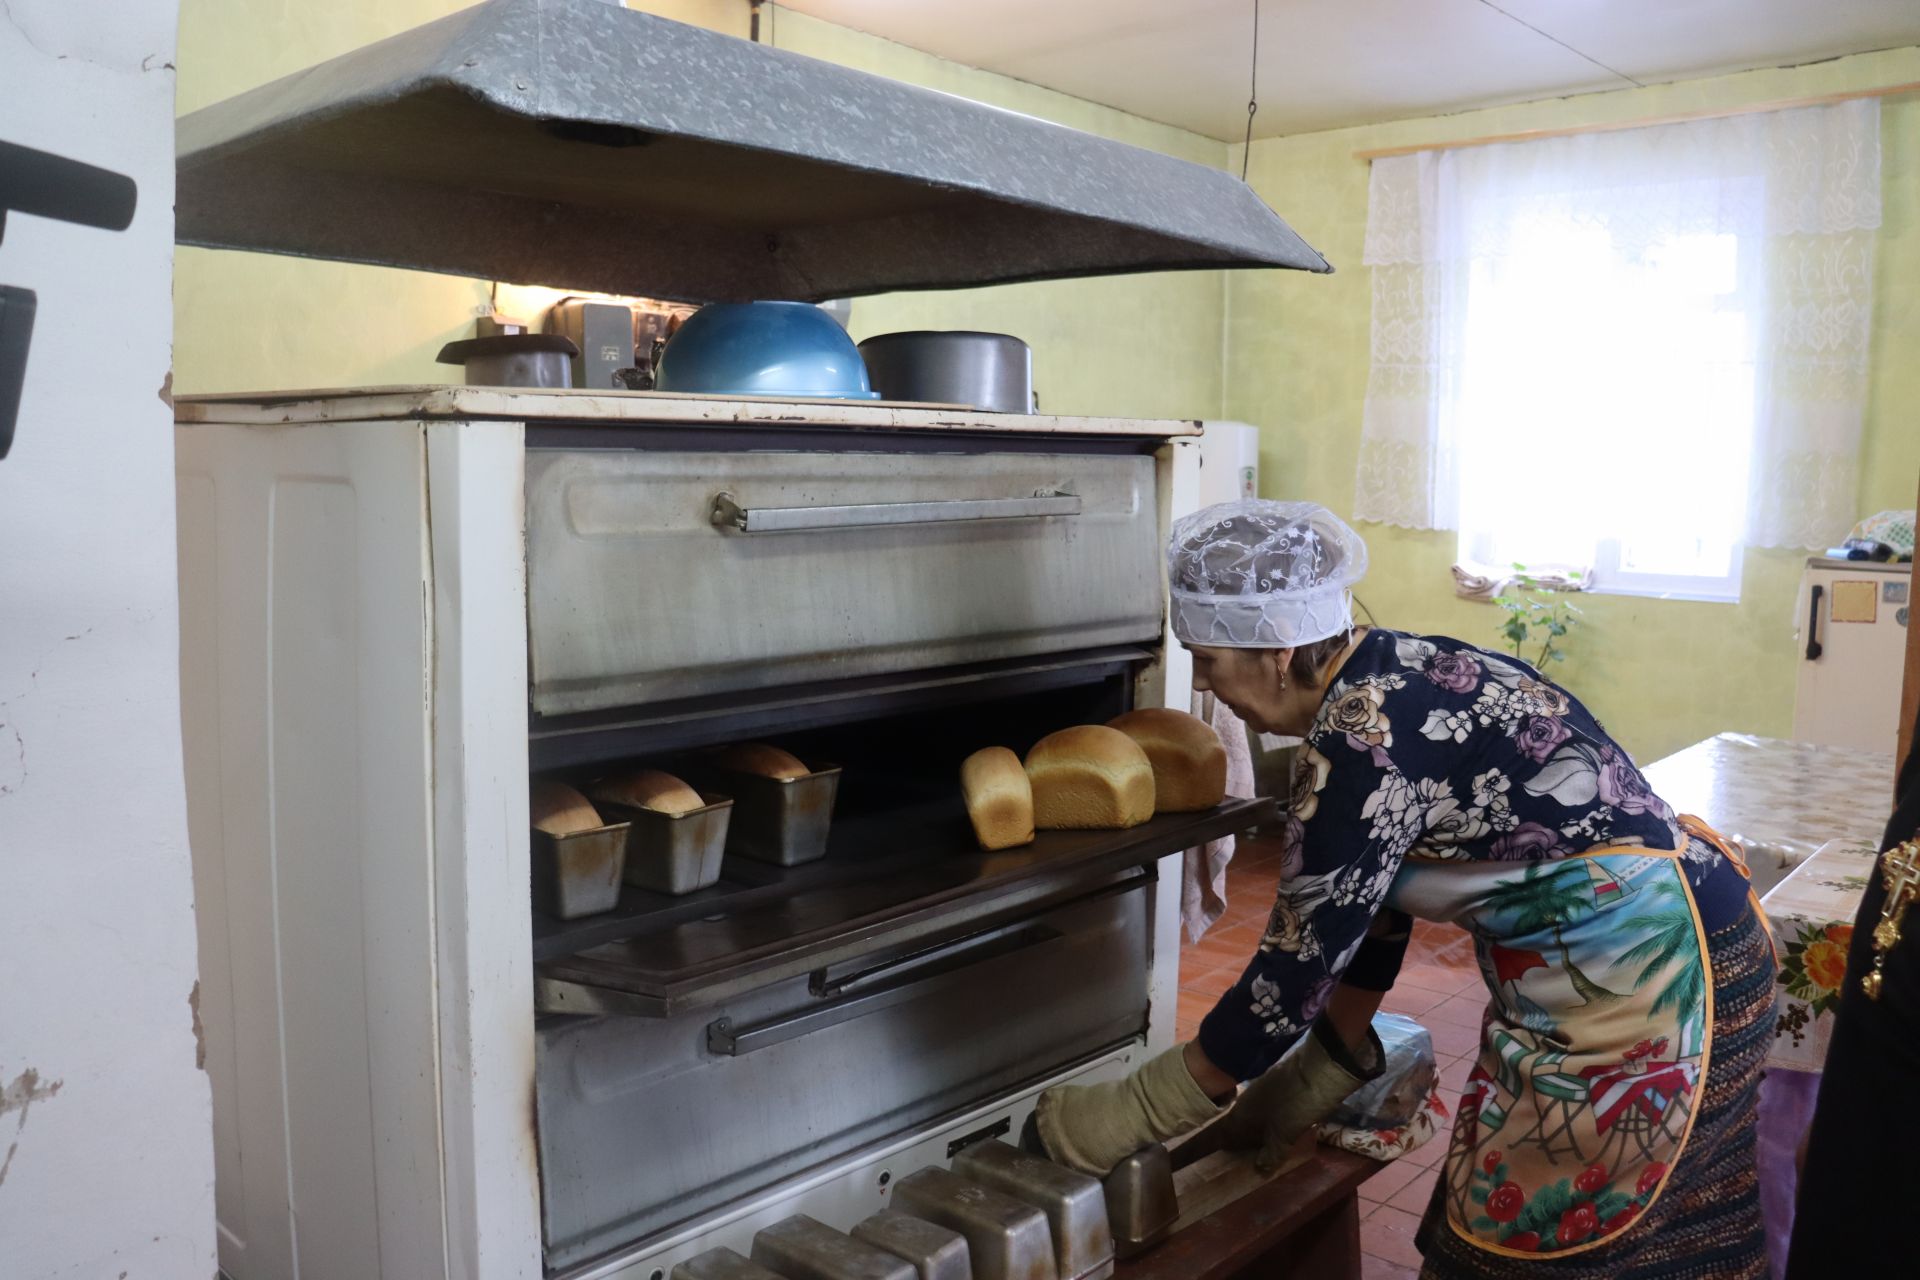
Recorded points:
400,605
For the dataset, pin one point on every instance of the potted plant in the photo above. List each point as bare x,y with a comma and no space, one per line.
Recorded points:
1538,617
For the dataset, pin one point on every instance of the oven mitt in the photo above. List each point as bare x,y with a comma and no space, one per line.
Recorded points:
1302,1089
1094,1127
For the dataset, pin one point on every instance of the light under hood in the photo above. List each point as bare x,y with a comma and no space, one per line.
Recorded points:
580,144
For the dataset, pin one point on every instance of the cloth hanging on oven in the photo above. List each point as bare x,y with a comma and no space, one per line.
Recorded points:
1203,887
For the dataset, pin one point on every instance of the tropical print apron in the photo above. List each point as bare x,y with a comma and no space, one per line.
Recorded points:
1596,1041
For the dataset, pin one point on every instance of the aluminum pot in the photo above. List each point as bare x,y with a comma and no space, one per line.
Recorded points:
991,371
514,360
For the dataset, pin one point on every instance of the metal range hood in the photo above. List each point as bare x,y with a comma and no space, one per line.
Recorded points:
580,144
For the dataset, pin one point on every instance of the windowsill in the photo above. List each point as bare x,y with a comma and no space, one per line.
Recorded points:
1603,581
1660,593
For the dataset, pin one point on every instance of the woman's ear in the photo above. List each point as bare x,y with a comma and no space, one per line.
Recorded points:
1281,660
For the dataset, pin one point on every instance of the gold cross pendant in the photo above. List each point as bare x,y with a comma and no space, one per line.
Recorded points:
1900,873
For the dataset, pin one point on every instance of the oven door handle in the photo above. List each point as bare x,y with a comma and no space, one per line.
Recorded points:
726,513
881,987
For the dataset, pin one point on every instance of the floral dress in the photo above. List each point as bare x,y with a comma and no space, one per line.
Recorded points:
1459,785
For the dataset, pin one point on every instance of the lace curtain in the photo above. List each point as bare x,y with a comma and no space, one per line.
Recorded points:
1573,261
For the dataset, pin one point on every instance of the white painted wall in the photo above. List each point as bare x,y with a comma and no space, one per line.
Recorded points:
106,1165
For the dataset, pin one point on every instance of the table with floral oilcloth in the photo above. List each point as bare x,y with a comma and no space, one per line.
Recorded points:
1812,914
1780,800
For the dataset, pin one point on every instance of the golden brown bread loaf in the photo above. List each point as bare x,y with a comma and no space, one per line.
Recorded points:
1189,764
649,789
999,798
1089,777
559,810
758,757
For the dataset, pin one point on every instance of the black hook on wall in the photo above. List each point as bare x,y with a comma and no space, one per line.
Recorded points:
47,186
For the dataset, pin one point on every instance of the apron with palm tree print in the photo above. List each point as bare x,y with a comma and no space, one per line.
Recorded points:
1595,1044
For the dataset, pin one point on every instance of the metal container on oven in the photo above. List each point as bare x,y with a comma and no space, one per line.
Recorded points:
783,821
1007,1238
935,1252
674,853
579,874
1075,1206
804,1248
722,1264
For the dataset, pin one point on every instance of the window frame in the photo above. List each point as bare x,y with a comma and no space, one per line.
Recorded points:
1606,577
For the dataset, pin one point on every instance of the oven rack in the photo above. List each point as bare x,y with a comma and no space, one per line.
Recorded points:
766,924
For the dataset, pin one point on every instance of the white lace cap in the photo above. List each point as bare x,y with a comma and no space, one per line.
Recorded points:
1259,574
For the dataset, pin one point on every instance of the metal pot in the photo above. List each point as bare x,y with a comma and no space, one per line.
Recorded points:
991,371
514,360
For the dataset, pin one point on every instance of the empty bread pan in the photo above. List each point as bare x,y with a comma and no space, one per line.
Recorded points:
1074,1203
1007,1239
1141,1207
934,1251
579,874
722,1264
670,853
802,1248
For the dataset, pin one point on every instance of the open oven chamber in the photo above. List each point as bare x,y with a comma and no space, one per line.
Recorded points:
790,1016
446,591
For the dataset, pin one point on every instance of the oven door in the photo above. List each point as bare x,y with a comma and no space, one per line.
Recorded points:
658,574
645,1122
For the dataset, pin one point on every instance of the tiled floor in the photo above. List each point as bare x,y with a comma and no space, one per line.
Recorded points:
1439,986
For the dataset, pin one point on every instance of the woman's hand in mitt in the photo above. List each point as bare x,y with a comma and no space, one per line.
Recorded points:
1094,1127
1301,1090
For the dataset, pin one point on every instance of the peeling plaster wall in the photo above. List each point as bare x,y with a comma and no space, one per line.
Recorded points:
106,1161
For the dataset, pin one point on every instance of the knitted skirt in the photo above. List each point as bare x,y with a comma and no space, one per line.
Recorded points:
1705,1225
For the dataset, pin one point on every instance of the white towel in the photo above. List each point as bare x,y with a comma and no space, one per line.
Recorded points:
1203,888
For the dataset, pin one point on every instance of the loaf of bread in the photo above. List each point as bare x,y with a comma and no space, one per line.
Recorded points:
649,789
559,810
999,798
1189,764
1089,777
758,757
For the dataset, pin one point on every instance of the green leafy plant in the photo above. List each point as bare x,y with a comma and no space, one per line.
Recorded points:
1537,615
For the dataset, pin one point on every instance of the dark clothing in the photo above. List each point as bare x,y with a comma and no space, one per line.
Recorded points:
1430,750
1862,1177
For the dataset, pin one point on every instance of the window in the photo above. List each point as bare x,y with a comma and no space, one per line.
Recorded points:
1619,372
1632,353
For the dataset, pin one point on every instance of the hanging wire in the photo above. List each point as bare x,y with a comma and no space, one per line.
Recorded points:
1253,94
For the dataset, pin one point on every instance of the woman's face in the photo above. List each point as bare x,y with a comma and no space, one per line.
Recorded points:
1250,681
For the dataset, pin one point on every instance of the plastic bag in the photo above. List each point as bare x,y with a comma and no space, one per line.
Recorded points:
1395,1096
